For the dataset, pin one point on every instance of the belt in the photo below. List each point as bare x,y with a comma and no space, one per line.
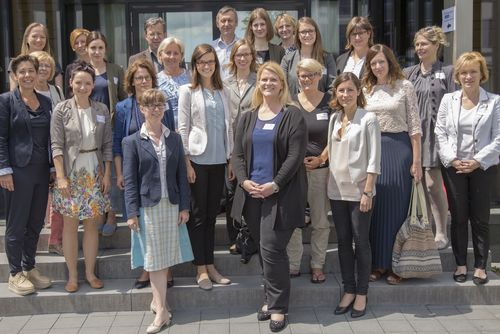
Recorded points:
88,151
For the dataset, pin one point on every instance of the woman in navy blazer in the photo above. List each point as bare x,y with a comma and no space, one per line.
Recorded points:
24,173
140,76
157,192
468,137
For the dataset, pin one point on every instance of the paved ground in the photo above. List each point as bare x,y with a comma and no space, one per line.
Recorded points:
379,319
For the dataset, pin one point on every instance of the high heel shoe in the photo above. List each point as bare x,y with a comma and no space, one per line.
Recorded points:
343,309
155,329
359,313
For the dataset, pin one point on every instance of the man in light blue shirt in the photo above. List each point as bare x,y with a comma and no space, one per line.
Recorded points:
227,21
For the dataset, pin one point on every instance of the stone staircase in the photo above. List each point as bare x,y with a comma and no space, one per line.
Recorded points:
113,266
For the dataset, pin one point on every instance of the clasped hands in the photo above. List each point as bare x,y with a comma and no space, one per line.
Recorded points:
258,190
465,166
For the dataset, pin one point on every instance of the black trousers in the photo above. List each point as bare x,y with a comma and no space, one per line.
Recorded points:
272,252
232,232
25,212
206,193
469,200
352,224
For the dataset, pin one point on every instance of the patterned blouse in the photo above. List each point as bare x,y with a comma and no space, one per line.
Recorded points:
396,108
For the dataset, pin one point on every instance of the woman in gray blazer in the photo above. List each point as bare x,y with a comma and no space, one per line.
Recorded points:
240,86
207,135
82,149
259,32
468,139
309,45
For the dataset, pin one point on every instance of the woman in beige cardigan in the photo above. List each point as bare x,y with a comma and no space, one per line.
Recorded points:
82,152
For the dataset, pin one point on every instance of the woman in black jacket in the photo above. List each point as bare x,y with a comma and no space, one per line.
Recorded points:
272,183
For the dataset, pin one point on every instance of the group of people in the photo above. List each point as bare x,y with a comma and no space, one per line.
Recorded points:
284,129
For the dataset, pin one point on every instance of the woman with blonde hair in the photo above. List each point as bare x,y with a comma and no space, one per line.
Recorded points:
392,98
468,139
432,79
260,32
173,76
268,161
36,38
285,26
359,36
46,71
314,107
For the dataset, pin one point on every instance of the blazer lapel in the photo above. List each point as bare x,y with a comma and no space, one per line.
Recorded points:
169,147
252,78
147,146
481,108
233,85
23,114
76,119
455,109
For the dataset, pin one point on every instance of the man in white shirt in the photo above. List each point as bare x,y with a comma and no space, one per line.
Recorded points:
227,21
154,33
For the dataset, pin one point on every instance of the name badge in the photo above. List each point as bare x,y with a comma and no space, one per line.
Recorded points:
322,116
115,80
440,75
101,119
268,126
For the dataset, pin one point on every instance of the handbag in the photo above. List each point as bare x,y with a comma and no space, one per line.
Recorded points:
244,242
415,253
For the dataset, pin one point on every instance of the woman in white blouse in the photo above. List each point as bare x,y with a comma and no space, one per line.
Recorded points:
393,100
468,138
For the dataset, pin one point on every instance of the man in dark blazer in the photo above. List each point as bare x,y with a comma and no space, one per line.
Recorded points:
154,33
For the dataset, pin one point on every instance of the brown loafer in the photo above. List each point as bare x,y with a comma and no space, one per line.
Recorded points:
96,283
71,287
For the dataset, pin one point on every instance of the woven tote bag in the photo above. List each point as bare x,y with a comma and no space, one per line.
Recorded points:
415,254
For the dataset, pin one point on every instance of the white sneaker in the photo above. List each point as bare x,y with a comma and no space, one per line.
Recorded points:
38,280
20,285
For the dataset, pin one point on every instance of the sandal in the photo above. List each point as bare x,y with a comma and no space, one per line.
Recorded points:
317,276
394,279
377,274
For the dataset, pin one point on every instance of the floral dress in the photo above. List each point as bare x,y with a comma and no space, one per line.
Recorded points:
86,199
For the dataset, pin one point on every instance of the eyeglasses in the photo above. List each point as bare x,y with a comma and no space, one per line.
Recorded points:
146,78
358,33
309,76
242,55
202,63
159,106
306,32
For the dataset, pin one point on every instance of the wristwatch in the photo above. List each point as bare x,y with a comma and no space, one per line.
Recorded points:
368,194
276,188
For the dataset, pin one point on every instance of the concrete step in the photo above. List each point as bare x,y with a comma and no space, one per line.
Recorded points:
121,238
115,264
245,291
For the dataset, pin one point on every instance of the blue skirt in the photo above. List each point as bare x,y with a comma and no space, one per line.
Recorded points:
393,196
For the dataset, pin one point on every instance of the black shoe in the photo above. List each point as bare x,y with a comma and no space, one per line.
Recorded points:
480,281
263,315
277,326
343,309
359,313
170,283
460,278
141,284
